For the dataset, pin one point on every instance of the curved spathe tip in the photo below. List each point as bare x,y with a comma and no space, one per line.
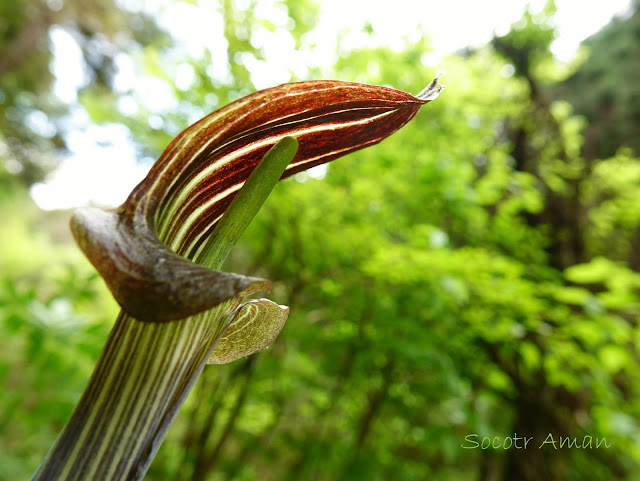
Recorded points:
432,91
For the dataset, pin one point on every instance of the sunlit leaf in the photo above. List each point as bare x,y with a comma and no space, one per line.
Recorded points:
253,328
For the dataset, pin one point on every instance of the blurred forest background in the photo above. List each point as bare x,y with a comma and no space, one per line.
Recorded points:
476,273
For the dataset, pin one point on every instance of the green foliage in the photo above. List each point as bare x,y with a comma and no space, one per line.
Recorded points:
529,40
612,190
54,316
32,131
601,90
477,272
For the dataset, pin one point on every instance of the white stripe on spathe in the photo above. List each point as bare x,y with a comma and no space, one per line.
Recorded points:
180,220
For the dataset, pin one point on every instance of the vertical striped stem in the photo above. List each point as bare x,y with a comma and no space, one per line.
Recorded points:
142,377
147,369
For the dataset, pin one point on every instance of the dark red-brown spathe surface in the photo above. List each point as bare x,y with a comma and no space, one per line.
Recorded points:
182,196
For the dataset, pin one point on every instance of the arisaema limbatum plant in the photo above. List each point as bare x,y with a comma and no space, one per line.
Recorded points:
160,253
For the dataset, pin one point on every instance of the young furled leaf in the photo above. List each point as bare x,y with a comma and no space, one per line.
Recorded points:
253,328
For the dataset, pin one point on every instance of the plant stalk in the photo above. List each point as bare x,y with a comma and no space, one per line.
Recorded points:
141,379
147,369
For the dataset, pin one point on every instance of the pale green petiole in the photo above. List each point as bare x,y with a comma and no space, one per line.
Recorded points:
147,369
247,202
